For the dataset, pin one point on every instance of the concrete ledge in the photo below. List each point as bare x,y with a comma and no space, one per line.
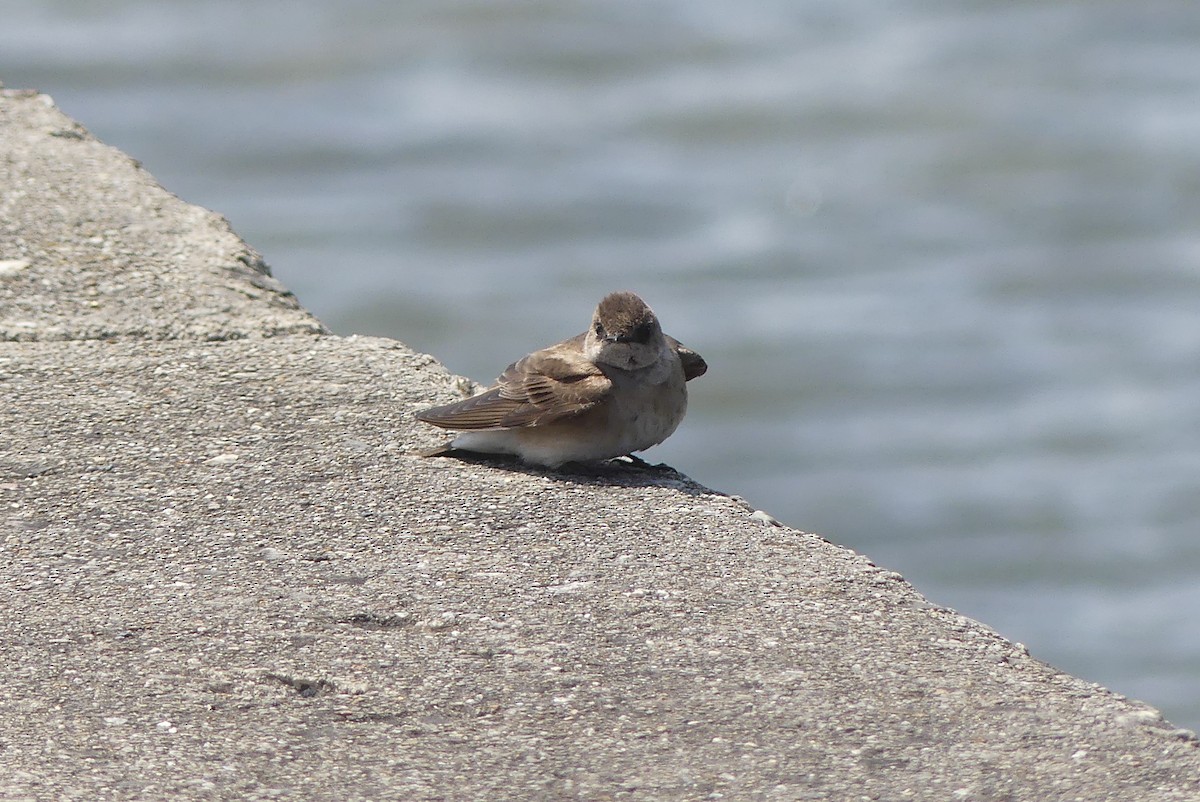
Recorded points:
94,248
225,576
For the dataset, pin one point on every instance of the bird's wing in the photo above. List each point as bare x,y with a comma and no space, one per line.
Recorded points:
693,364
553,383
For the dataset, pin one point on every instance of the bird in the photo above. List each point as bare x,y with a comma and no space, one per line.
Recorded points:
617,388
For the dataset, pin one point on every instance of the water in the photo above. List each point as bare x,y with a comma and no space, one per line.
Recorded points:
942,258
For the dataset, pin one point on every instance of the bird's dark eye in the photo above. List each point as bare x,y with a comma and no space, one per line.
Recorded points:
599,329
641,334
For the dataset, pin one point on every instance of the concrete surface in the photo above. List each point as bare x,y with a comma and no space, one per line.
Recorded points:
225,577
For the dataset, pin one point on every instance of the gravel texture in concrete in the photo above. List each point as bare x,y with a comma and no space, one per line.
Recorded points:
225,575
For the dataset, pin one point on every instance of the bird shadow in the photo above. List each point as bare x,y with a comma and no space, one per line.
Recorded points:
628,471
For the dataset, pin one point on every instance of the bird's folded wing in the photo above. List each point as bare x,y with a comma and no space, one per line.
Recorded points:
693,364
542,387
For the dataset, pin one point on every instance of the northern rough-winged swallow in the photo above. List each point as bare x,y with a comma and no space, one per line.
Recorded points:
617,388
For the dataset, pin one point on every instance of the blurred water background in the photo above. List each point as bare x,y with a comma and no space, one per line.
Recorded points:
943,258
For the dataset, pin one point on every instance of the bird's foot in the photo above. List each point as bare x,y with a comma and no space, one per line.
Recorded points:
641,464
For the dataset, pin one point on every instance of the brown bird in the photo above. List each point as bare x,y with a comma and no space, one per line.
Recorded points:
615,389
